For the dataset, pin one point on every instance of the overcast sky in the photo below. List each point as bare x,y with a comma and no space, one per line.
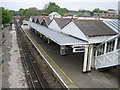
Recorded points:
69,4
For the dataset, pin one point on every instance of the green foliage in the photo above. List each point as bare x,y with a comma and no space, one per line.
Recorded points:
22,18
6,15
51,7
0,16
64,10
28,12
48,8
82,11
79,15
20,12
97,10
32,12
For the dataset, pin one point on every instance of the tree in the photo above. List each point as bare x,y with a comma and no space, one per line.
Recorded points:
52,7
20,12
22,18
28,12
6,15
0,16
64,10
32,12
97,10
79,15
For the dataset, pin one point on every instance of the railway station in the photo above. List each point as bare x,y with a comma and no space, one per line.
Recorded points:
92,47
47,45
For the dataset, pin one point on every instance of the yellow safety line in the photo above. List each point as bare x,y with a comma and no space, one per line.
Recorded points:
52,60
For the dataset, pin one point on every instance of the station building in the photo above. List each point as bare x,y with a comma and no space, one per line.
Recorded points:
91,37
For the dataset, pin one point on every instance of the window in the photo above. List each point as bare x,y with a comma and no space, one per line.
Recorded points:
110,46
100,50
118,43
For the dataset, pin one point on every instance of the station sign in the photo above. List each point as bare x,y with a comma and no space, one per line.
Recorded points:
78,49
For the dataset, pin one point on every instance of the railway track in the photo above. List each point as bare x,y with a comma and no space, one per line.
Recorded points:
34,75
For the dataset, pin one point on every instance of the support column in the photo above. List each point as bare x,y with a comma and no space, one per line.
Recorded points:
32,29
29,27
115,44
35,32
44,37
62,50
41,35
85,59
90,58
96,52
105,49
48,41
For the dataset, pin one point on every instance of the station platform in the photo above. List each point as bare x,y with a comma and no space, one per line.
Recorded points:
69,68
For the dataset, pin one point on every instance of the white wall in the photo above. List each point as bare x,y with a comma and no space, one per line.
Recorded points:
53,25
73,30
98,39
30,19
54,14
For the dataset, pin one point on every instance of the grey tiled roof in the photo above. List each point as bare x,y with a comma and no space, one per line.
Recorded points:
57,37
62,22
35,18
40,19
47,19
94,28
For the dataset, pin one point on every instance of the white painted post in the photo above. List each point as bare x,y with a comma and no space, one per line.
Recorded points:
40,35
32,30
85,59
115,44
48,41
44,37
28,27
62,50
105,49
35,32
90,57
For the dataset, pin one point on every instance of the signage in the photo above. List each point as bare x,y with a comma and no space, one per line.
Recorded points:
78,49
